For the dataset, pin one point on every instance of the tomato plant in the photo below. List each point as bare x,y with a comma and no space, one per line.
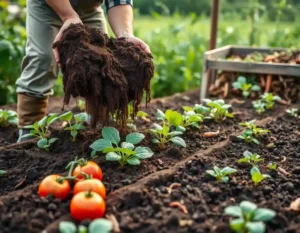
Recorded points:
93,185
55,185
87,205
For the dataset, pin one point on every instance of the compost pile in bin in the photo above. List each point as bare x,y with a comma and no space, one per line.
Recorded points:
108,73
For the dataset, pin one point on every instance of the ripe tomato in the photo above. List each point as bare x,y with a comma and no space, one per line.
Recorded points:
55,185
90,168
87,205
90,185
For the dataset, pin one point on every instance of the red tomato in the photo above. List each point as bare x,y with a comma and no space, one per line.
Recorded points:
87,205
90,185
89,168
55,185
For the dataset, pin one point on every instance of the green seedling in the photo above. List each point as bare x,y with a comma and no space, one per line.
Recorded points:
218,110
139,114
181,122
162,135
293,112
249,218
272,166
252,132
257,177
250,158
221,174
269,99
246,88
259,106
40,130
3,173
102,224
81,104
126,153
77,126
8,117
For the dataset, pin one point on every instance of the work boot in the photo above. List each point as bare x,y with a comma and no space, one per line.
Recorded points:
30,110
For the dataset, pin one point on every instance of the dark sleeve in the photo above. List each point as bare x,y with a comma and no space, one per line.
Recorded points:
111,3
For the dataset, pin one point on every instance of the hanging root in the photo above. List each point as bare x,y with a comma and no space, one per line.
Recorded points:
108,73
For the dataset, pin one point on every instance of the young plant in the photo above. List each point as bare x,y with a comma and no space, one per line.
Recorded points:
250,158
257,177
246,88
40,130
293,112
269,99
181,122
162,135
252,132
124,153
259,106
77,126
105,225
3,173
249,218
218,110
221,174
139,114
8,117
272,166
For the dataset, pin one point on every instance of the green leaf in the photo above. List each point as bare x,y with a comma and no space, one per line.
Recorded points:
237,225
2,172
187,108
42,122
254,170
52,140
108,149
67,116
228,170
255,88
141,114
42,143
165,130
180,128
157,126
143,152
225,179
127,145
27,135
100,144
175,133
160,115
247,154
178,141
82,229
79,126
93,154
67,227
135,138
125,151
81,117
243,160
112,156
264,214
211,173
111,134
134,161
105,225
74,133
256,227
51,118
155,141
247,207
234,211
255,141
173,117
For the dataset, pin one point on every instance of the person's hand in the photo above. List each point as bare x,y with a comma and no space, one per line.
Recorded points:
71,20
140,43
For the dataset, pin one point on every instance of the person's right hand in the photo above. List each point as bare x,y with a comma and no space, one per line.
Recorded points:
71,20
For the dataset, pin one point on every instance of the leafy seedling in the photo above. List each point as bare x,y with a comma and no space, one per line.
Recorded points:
272,166
250,158
259,106
221,174
181,122
249,218
126,153
218,110
252,132
293,112
257,177
269,99
8,117
77,126
102,224
40,130
162,135
246,88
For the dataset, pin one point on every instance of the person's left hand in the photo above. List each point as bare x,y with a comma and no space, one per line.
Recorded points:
140,43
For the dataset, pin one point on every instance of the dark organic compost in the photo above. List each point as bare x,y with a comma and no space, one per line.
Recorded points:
109,73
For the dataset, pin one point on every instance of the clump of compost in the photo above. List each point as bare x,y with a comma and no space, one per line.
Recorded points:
108,73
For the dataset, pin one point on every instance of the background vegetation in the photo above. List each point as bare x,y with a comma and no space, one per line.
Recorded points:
178,34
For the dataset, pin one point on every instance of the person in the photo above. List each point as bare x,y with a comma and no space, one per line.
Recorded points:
45,23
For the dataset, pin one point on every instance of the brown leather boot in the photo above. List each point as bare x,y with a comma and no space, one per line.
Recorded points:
30,110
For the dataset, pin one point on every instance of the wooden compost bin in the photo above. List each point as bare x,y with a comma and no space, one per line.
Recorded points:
215,60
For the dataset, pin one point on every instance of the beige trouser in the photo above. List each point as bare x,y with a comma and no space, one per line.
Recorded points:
39,69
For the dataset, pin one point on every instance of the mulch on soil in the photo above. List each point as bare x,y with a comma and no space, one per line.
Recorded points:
28,165
108,73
